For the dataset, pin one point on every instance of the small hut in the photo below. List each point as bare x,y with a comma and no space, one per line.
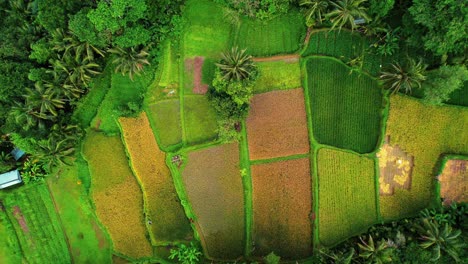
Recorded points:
10,178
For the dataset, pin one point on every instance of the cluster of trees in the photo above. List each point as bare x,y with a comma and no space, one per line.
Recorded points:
51,50
435,236
232,90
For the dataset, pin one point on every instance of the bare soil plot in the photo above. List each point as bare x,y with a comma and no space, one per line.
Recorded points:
282,205
454,181
193,67
277,125
168,220
214,187
395,166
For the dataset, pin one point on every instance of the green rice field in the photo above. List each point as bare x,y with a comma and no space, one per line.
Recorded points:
165,118
200,120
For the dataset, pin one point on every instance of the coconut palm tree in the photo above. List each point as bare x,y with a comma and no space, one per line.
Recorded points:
54,152
76,70
44,101
26,117
236,65
129,61
440,239
404,77
315,11
375,253
345,13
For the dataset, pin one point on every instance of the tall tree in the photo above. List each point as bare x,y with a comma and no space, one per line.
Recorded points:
345,12
315,11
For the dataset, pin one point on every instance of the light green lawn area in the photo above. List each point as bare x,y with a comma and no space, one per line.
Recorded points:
200,120
281,35
277,75
346,195
10,251
87,241
123,90
164,117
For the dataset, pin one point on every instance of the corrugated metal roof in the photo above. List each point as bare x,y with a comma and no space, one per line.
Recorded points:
9,178
17,153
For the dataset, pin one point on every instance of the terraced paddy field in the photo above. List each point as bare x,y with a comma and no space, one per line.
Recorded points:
163,208
345,106
346,195
277,125
282,208
200,120
441,131
165,119
214,188
116,194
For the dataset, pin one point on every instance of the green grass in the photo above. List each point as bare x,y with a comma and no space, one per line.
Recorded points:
277,75
425,132
344,45
87,241
89,104
122,91
346,195
10,251
208,33
170,72
281,35
165,120
43,240
345,107
200,120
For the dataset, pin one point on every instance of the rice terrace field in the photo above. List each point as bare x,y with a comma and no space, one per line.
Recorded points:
233,131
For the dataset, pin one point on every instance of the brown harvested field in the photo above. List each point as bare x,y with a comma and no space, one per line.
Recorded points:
277,125
282,206
214,188
395,166
454,181
169,222
116,194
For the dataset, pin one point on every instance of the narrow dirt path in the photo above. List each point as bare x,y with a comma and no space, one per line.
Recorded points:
286,58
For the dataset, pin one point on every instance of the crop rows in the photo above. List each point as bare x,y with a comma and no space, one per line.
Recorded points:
41,237
346,196
345,107
277,36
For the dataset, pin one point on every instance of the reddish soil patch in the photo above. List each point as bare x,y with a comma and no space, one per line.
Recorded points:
277,125
287,58
454,181
194,67
102,241
396,167
20,218
214,188
282,208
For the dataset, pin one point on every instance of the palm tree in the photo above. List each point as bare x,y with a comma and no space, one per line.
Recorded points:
54,152
407,77
380,253
236,64
44,100
315,10
26,117
77,71
440,239
345,12
129,61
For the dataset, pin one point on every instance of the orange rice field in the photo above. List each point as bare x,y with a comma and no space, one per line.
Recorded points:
277,125
282,206
168,220
214,188
116,194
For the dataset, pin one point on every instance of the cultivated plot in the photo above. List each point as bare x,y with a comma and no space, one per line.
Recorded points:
278,75
281,35
347,194
200,120
277,125
442,130
165,214
165,119
454,181
214,187
36,224
345,107
116,194
282,206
